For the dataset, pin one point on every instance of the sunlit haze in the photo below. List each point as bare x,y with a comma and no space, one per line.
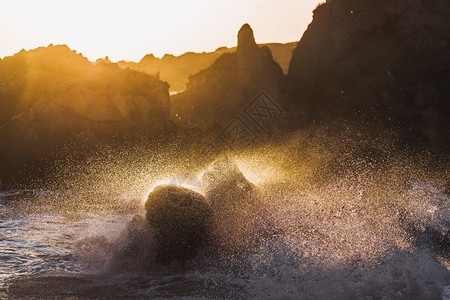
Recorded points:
127,30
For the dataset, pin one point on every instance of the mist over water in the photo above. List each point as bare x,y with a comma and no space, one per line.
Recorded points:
351,216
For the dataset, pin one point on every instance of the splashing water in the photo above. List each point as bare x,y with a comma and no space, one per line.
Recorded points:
356,223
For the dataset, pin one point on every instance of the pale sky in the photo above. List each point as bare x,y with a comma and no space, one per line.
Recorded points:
128,30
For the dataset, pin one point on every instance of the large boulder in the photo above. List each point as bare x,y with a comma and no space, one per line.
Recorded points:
182,219
231,219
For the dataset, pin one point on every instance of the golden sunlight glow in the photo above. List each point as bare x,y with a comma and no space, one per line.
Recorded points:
129,30
173,181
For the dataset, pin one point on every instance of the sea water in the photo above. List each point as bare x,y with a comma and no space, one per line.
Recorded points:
330,244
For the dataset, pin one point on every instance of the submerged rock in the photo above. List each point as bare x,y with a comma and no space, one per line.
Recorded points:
182,219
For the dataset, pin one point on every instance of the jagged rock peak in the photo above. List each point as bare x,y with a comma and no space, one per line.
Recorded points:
246,40
148,58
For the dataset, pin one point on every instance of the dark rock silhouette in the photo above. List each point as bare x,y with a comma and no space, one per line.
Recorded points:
176,70
389,60
246,40
231,218
183,221
219,93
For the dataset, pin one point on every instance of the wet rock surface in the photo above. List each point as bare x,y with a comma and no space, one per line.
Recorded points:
231,219
241,219
182,219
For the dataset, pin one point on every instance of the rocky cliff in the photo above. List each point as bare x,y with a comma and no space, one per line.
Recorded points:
177,69
54,97
386,59
29,76
219,93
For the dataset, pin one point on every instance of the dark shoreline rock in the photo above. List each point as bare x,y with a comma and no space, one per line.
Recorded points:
386,61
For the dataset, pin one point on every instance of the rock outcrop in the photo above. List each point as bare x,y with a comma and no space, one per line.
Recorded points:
386,59
55,97
219,93
177,69
30,76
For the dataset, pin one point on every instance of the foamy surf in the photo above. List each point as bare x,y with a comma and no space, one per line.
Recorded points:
369,234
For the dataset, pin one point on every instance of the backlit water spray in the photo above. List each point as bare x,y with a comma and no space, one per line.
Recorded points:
342,217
